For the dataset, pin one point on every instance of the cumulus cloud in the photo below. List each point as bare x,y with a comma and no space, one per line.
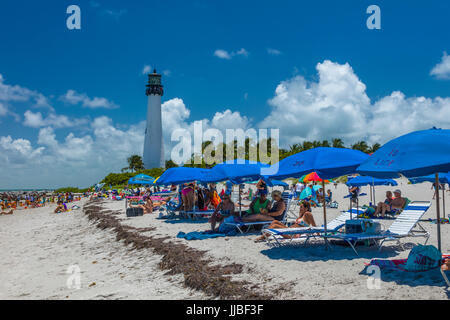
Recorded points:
337,106
72,97
36,120
224,54
146,69
442,69
273,52
10,94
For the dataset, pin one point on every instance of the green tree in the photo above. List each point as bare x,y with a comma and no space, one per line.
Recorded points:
135,163
361,146
337,143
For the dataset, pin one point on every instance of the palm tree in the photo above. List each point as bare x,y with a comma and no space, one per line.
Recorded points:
337,143
361,146
374,147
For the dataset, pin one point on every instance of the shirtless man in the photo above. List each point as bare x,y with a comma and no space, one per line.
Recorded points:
391,203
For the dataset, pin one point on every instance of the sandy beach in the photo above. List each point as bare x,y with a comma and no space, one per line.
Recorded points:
38,247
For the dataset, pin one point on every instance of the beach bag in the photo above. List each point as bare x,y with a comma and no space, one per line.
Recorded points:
423,258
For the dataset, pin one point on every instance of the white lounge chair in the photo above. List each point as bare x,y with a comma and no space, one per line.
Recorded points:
289,236
404,226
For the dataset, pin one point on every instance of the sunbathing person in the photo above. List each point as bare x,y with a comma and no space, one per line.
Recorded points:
7,213
446,265
261,208
147,206
305,219
188,197
390,204
60,208
223,210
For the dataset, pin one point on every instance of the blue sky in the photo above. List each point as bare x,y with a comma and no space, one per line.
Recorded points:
269,43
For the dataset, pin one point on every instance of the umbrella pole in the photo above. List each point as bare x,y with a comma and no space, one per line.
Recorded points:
443,200
324,213
240,204
438,213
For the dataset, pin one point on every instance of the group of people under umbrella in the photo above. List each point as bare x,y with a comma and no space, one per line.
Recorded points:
417,154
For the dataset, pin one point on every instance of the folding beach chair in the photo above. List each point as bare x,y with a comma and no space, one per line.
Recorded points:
289,236
196,214
291,204
404,226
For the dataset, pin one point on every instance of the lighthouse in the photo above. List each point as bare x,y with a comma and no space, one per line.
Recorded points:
153,144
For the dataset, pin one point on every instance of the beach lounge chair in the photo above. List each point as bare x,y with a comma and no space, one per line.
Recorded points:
289,236
404,226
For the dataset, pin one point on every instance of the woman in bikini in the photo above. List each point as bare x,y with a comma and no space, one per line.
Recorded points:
223,210
305,219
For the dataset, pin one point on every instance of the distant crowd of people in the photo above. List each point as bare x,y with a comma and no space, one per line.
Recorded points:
11,201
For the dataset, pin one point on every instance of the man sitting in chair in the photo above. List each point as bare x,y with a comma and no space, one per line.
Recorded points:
391,205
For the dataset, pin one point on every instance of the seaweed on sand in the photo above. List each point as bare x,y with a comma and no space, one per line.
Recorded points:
177,258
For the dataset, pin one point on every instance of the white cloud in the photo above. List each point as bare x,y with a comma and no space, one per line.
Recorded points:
223,54
36,120
146,70
17,94
442,69
337,106
72,97
273,52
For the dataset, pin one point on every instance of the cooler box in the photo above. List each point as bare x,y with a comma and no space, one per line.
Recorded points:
362,226
135,212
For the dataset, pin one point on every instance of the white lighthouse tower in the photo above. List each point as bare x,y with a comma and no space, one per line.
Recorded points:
153,144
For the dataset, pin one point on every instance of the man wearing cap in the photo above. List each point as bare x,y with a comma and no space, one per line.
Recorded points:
391,204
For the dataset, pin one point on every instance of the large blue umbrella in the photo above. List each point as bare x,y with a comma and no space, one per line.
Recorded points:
360,181
180,175
326,162
415,154
239,171
141,179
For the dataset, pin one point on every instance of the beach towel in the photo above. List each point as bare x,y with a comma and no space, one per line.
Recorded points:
200,235
396,264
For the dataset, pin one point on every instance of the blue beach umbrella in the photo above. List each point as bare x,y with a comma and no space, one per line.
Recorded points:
415,154
305,193
328,163
141,179
239,171
360,181
180,175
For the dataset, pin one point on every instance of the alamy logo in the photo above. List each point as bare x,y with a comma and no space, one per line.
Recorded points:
374,21
73,22
374,280
74,280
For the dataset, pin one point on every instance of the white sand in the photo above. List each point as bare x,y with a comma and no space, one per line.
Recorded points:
37,248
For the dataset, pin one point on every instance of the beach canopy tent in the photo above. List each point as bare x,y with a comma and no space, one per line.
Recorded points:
326,162
141,179
416,154
447,179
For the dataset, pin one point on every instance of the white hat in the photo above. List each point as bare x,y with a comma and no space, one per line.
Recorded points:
398,191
